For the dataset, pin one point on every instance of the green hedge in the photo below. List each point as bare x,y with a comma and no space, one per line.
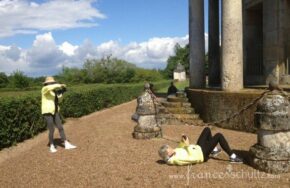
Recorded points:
20,117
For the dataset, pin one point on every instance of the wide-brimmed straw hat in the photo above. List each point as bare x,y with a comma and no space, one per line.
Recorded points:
49,79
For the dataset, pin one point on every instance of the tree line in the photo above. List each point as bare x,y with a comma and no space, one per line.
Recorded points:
106,70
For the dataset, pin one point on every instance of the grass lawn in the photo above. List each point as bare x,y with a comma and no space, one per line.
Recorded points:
180,86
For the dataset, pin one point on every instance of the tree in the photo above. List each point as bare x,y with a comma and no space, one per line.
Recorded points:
109,70
181,56
3,80
19,80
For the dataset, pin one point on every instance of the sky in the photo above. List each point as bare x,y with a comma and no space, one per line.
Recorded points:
39,37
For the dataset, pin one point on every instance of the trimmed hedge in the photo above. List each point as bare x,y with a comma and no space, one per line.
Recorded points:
21,118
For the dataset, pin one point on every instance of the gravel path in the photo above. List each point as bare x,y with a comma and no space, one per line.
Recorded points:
108,156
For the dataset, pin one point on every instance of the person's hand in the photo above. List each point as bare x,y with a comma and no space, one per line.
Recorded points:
185,139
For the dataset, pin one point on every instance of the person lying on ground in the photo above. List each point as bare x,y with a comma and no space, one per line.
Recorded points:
51,92
205,147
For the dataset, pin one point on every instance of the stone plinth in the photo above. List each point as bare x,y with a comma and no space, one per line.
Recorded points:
147,125
272,152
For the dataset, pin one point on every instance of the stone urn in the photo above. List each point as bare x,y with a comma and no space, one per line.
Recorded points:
147,124
272,120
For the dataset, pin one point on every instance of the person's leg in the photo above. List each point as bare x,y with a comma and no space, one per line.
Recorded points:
50,126
203,142
204,137
59,125
217,139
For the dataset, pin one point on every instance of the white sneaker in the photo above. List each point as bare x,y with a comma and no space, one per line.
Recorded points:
52,148
68,145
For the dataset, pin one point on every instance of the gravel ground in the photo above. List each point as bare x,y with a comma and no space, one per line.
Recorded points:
108,156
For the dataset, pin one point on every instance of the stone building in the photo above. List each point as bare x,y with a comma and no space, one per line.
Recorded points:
255,43
179,73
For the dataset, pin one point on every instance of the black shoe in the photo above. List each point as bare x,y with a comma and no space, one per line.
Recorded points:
215,153
236,160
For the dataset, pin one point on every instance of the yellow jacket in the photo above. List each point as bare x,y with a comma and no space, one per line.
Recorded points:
47,98
186,154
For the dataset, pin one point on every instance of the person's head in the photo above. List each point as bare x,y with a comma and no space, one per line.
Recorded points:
165,152
172,83
49,80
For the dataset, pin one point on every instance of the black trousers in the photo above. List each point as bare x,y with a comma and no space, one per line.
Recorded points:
207,142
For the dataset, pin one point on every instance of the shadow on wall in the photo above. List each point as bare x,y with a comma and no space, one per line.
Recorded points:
218,105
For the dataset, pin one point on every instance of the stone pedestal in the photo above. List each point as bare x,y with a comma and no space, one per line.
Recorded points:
272,152
147,125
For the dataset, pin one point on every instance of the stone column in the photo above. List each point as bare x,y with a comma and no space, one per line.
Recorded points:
232,45
213,43
196,43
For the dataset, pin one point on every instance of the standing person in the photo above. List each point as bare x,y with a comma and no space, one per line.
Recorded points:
50,94
186,153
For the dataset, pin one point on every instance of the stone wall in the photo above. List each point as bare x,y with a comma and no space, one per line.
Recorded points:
216,105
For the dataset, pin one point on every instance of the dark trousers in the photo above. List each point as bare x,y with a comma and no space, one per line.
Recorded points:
207,142
51,121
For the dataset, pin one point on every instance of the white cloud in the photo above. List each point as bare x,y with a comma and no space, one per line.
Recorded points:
24,17
45,57
68,48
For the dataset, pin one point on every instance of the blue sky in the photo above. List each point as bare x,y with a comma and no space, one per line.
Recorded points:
46,35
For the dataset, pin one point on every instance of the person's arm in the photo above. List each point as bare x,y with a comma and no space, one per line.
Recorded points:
184,141
52,87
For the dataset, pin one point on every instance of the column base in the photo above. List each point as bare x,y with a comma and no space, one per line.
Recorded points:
270,160
147,133
274,167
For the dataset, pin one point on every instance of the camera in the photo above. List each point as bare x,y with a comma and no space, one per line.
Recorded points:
184,137
60,91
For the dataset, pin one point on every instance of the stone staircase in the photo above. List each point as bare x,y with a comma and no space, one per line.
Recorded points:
176,110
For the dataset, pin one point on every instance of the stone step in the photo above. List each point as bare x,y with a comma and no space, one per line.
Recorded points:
186,104
180,94
175,104
197,122
162,110
171,104
181,110
180,117
186,116
177,99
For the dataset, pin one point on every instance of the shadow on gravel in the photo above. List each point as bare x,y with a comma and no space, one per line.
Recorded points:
245,155
161,162
57,142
